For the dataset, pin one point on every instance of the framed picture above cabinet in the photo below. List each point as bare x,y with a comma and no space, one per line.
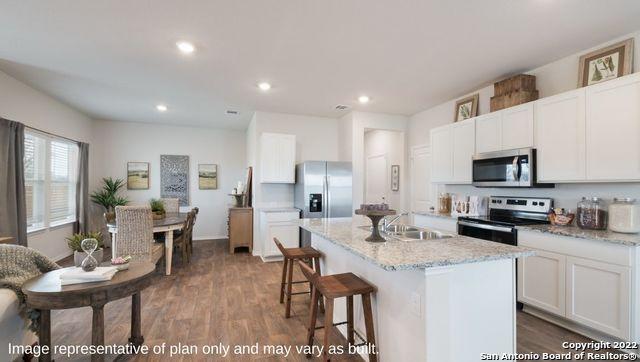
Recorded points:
467,108
605,64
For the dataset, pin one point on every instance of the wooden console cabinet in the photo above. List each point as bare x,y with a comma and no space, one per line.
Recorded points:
240,228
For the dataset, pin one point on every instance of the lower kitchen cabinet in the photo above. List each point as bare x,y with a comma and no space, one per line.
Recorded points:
598,296
240,228
541,281
281,225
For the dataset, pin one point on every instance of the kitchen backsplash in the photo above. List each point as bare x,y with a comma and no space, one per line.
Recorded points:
564,195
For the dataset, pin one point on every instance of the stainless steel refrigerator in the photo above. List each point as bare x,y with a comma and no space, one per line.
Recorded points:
323,190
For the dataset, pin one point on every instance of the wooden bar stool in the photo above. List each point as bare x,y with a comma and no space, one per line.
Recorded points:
307,254
338,286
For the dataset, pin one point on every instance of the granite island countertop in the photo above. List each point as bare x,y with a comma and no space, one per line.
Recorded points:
396,254
435,214
575,232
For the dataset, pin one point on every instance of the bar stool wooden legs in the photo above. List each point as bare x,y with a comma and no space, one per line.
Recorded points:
338,286
307,254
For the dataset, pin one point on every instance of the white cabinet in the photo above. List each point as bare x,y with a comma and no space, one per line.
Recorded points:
507,129
613,130
281,225
517,127
464,135
560,137
277,158
442,154
489,132
452,148
541,281
598,296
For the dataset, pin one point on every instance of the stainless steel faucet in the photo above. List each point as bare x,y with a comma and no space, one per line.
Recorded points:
386,223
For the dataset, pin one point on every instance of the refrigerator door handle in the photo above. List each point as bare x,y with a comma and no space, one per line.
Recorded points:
328,196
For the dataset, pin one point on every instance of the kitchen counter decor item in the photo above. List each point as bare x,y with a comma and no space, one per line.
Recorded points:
591,214
624,215
561,217
375,212
444,204
468,205
238,199
513,91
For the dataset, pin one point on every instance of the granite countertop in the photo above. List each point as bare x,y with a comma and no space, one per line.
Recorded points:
576,232
279,209
416,254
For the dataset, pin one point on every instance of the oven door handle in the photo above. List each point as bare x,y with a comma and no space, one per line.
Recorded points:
486,227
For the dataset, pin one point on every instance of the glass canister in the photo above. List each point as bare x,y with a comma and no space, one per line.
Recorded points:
591,214
624,215
444,204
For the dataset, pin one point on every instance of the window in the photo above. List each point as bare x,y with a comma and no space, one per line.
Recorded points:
51,169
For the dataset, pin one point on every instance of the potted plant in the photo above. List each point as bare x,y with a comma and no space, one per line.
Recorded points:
108,197
157,207
74,242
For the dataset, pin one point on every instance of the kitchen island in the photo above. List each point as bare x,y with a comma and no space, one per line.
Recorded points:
449,299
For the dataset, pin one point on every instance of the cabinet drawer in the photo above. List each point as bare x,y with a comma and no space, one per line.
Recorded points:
583,248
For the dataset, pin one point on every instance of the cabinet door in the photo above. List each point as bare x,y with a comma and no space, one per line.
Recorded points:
517,127
464,142
541,281
598,296
287,158
489,132
560,137
442,155
287,233
613,130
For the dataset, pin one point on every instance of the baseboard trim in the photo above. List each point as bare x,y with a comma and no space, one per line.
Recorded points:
216,237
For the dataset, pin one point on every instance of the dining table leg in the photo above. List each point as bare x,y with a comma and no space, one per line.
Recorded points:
97,331
45,334
168,250
136,323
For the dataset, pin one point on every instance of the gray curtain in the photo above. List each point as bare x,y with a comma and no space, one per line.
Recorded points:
82,190
13,207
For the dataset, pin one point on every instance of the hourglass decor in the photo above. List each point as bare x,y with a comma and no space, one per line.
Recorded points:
89,246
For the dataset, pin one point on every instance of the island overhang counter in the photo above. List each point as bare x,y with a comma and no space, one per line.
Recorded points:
437,300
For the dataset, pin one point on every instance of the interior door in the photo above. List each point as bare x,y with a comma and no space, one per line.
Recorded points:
421,188
377,178
339,189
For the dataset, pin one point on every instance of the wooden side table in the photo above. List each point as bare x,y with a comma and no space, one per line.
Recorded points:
45,293
240,228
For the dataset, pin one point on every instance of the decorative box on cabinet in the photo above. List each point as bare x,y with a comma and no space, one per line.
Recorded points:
277,158
240,228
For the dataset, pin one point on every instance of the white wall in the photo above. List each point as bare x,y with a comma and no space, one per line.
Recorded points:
19,102
553,78
390,144
120,142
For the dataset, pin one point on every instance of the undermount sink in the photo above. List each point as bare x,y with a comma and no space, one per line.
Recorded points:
424,235
408,232
398,229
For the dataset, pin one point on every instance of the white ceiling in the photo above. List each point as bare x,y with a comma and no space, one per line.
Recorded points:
116,59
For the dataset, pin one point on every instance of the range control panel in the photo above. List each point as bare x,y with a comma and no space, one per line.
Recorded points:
529,204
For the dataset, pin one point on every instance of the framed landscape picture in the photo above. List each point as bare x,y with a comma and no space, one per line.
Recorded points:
207,176
137,175
605,64
466,108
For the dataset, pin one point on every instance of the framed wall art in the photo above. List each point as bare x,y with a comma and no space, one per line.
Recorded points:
174,178
467,108
137,175
207,176
605,64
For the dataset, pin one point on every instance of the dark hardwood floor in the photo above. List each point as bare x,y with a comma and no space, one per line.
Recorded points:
233,300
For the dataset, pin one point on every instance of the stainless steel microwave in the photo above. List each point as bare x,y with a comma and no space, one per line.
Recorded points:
511,168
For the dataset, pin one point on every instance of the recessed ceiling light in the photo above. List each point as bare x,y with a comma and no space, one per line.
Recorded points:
363,99
185,47
161,108
264,86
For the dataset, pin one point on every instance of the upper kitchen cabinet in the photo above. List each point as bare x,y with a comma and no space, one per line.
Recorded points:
452,149
442,154
560,137
507,129
277,158
613,130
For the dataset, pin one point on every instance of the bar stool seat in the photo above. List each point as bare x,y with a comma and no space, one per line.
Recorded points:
307,254
338,286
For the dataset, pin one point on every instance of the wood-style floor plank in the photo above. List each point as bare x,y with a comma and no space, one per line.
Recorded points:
232,299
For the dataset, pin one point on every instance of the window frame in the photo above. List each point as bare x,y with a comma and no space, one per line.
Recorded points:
47,224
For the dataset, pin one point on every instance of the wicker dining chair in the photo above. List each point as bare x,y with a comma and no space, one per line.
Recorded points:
171,205
135,234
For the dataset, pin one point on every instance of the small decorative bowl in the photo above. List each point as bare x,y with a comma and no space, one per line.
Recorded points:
561,220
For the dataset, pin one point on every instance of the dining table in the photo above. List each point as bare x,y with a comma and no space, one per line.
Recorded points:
171,222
